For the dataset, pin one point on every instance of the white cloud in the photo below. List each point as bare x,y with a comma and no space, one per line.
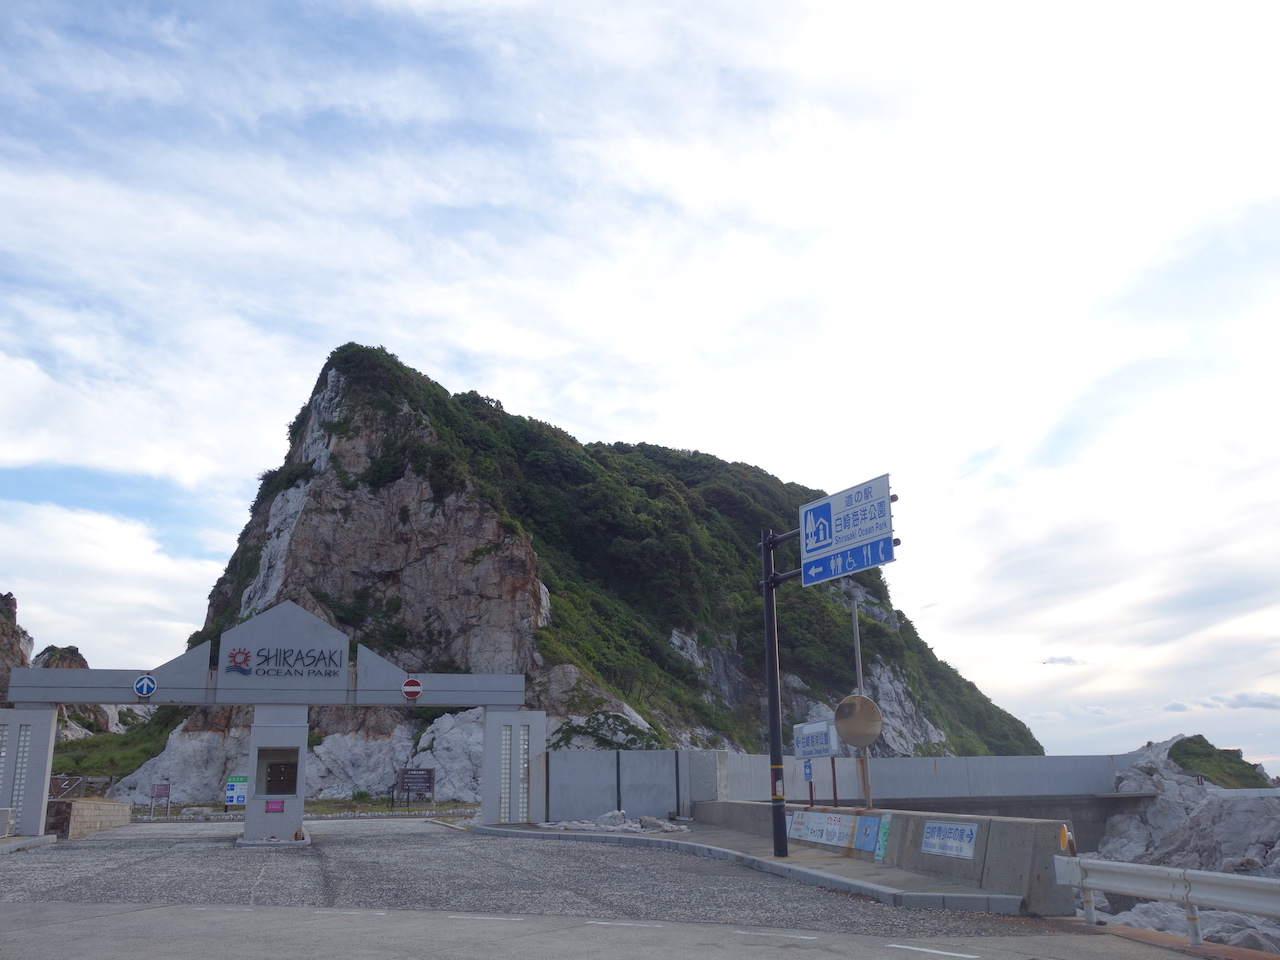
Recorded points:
1015,255
100,583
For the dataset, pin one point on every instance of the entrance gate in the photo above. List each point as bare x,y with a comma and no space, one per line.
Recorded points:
280,662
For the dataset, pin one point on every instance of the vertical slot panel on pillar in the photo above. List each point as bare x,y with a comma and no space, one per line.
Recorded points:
504,795
522,811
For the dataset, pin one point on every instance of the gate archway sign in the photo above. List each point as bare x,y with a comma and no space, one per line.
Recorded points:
279,662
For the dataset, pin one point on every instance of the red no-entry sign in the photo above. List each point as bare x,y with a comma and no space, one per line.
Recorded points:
411,688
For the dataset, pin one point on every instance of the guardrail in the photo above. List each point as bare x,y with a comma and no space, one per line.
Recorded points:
1193,888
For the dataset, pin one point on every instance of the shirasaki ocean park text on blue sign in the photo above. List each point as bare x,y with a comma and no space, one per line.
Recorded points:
846,532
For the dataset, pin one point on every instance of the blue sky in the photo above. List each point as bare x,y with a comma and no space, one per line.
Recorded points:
1019,256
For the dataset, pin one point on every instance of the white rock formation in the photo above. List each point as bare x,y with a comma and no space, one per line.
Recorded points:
343,763
195,765
454,746
1195,826
1216,926
1130,835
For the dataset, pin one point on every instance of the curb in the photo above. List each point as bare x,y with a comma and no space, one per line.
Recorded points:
26,843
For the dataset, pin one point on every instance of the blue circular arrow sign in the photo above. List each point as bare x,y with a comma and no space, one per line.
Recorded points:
145,685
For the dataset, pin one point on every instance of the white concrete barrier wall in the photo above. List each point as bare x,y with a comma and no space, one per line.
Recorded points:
586,783
581,784
648,782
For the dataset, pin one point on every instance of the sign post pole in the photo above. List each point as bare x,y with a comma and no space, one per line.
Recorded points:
776,790
864,753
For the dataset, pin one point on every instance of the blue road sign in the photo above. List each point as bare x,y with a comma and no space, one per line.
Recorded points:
145,685
808,771
846,532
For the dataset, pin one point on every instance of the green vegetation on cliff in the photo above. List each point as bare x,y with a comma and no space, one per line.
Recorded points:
118,754
634,540
1224,768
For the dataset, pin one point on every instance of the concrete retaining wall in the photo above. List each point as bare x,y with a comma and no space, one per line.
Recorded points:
70,819
1010,855
582,784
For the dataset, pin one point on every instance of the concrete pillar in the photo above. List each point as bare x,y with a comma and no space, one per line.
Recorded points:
513,785
26,763
277,776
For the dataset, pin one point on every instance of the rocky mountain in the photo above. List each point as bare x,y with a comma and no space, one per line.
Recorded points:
447,534
15,643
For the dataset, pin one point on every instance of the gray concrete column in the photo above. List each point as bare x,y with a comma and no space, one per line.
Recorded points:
26,763
513,778
277,775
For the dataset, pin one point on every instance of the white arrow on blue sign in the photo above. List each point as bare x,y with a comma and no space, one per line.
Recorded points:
145,685
846,532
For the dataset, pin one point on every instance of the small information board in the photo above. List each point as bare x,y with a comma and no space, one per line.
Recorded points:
160,791
418,784
237,791
817,739
949,839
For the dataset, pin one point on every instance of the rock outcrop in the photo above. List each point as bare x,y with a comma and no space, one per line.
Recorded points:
1193,825
15,643
907,731
432,579
1131,835
76,720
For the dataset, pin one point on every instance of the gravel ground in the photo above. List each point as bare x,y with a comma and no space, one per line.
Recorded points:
415,864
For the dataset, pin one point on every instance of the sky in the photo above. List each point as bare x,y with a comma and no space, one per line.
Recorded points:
1020,257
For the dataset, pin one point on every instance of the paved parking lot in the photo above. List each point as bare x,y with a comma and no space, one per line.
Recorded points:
416,888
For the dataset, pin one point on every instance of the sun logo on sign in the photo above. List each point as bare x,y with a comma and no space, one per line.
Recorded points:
238,662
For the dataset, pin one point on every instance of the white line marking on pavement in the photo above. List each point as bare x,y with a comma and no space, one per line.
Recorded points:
941,953
759,933
351,913
615,923
454,916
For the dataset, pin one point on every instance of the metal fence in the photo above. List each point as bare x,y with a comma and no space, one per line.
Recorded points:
1193,888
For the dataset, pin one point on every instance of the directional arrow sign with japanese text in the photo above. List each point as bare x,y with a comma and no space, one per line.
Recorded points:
846,532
